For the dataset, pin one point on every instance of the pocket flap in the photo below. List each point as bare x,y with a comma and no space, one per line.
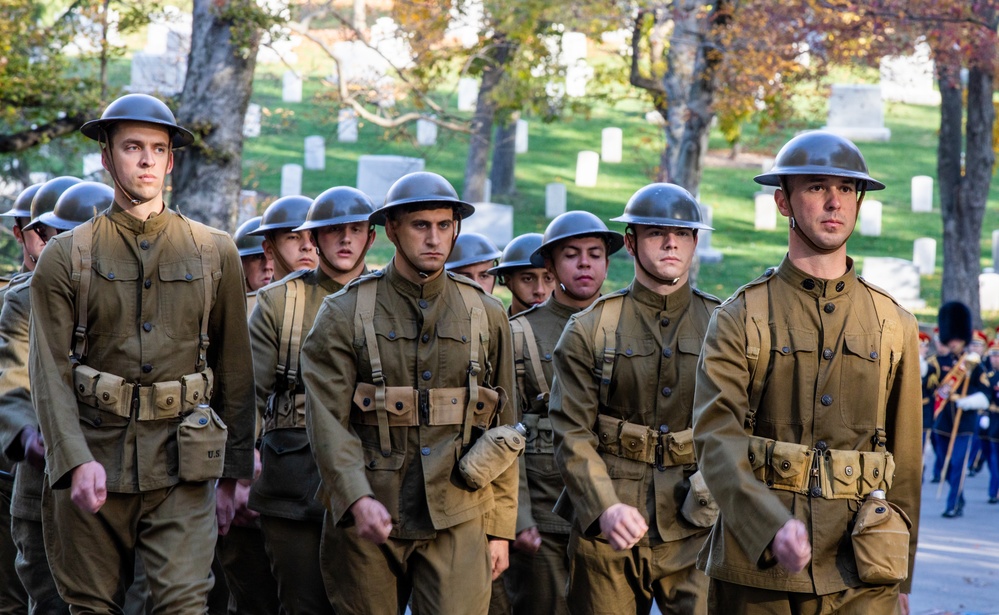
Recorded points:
108,389
167,395
787,341
682,442
689,345
636,346
452,330
845,466
789,459
398,400
633,438
758,451
85,382
116,270
875,466
865,346
186,270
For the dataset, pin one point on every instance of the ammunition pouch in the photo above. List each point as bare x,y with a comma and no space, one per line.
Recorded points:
158,401
201,439
699,507
285,410
881,542
641,443
495,451
409,407
833,474
540,435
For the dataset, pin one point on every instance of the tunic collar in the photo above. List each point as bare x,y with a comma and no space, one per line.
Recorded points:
818,287
559,309
429,290
676,301
155,223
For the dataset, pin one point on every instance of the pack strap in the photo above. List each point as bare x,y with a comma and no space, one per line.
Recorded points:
535,358
206,248
364,320
82,263
610,314
291,332
889,355
757,299
519,367
477,313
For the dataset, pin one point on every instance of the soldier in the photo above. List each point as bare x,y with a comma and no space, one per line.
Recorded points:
528,285
425,358
287,248
575,250
807,398
929,373
979,440
991,419
621,409
962,394
258,268
473,257
133,450
21,439
291,518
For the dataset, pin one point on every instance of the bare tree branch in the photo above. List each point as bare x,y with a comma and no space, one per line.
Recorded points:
991,22
26,139
636,77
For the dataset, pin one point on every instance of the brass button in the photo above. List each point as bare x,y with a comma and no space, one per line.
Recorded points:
826,400
82,389
423,303
848,470
877,472
816,492
785,349
874,354
105,396
827,354
366,402
169,401
664,322
196,395
808,283
398,405
188,277
785,465
840,286
752,458
480,406
829,308
667,352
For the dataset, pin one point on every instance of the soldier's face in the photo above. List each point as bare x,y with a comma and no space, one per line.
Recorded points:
532,285
825,208
425,237
345,245
142,158
666,251
580,264
994,359
32,244
258,270
293,248
477,273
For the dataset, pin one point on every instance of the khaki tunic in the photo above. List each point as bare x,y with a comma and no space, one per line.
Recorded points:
820,392
145,308
288,483
658,342
540,483
423,339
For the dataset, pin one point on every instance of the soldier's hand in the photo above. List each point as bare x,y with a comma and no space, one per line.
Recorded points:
499,555
903,604
225,504
528,541
372,520
623,526
792,547
244,516
258,466
89,486
33,446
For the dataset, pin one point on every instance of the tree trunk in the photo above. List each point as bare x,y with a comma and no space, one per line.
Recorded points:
360,20
474,188
964,195
505,158
208,174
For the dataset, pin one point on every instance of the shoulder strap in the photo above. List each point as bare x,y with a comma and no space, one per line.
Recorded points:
889,354
479,332
206,250
81,272
517,333
757,345
364,325
610,314
291,332
534,356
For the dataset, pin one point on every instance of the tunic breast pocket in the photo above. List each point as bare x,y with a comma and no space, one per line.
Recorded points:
181,298
860,379
453,350
792,377
636,366
112,305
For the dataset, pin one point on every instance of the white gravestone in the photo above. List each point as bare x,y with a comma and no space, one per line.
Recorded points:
247,206
555,199
291,87
520,138
587,166
346,126
291,179
426,133
924,255
611,144
870,218
158,74
765,165
995,250
487,190
988,292
910,79
376,174
315,153
705,252
92,165
492,220
766,212
922,193
156,38
251,121
576,77
468,94
856,112
899,277
573,48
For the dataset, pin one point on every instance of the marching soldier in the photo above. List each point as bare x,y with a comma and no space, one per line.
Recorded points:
291,519
133,449
991,419
258,268
473,257
288,249
962,394
21,440
806,413
424,356
575,251
979,440
528,285
929,373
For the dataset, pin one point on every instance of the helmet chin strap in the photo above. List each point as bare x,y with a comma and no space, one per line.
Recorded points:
638,259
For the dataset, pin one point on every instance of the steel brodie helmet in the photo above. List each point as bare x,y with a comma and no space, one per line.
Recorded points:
339,205
663,205
471,248
79,203
46,197
138,108
22,204
284,214
820,153
517,254
247,244
420,189
575,224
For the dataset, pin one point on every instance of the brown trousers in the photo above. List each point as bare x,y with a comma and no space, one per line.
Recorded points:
13,597
447,575
252,588
536,581
33,568
733,599
603,581
293,548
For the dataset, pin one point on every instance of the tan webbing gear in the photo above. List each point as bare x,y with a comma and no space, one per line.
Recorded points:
523,336
610,314
290,344
789,457
364,314
81,273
